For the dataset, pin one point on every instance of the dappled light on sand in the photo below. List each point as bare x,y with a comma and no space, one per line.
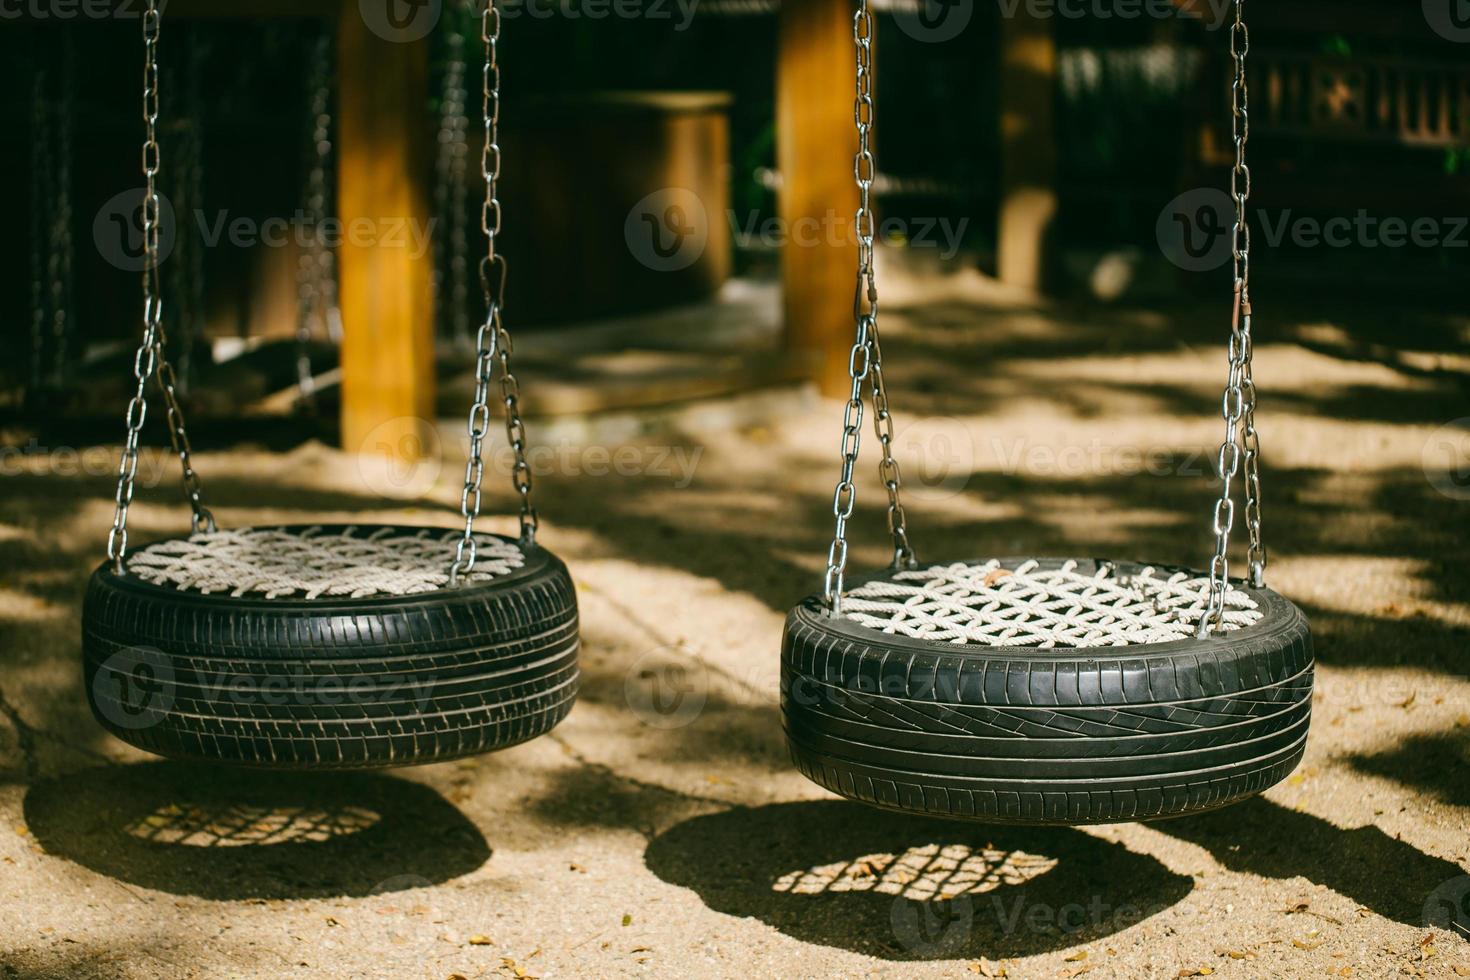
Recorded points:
929,873
237,825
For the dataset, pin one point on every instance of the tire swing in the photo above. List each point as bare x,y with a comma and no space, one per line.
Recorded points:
1046,691
329,647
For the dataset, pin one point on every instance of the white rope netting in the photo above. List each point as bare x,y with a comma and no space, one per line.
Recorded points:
309,562
1031,606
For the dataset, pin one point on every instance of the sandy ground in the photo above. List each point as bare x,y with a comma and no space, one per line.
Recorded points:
661,831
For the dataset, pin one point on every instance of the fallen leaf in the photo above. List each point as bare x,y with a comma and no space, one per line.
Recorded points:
479,939
1077,957
509,965
1308,944
627,920
995,576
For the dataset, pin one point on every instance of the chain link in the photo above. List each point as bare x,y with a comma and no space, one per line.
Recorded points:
149,359
492,340
865,360
1238,404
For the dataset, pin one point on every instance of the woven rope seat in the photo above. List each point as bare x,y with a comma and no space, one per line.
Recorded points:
1042,603
314,561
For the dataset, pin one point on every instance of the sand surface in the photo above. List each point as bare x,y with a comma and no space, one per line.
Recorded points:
660,831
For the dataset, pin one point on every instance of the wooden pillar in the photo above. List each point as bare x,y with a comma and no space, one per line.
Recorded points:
385,264
1028,166
815,143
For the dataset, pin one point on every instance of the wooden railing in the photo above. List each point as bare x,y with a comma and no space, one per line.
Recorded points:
1408,102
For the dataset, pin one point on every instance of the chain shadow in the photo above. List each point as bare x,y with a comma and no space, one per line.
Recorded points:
905,888
1434,763
1379,872
231,834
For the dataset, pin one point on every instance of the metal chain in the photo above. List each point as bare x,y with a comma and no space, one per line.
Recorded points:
63,295
42,174
187,246
1238,403
888,471
865,360
313,264
1240,185
492,340
149,359
451,269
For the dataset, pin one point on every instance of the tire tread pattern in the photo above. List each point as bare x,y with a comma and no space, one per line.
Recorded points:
1046,736
436,676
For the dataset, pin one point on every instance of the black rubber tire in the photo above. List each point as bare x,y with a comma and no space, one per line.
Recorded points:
1037,736
332,683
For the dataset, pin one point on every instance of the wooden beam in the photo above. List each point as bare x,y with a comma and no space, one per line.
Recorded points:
815,143
386,273
1028,167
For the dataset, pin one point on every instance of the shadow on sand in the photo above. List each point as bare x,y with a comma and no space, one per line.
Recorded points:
235,834
900,887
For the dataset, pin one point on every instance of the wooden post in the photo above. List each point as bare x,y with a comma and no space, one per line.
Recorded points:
1028,168
815,143
386,267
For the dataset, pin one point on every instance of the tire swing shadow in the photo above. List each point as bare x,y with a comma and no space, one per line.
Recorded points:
221,833
901,887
